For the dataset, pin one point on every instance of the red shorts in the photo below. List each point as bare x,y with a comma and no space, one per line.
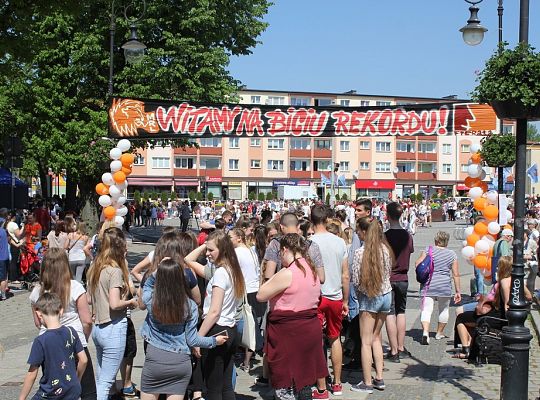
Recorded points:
329,311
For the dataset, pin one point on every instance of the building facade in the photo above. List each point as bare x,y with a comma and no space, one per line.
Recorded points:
385,167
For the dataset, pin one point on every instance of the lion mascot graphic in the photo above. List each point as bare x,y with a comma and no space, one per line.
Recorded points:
128,115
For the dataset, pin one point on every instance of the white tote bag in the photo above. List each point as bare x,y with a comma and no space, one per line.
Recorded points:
248,333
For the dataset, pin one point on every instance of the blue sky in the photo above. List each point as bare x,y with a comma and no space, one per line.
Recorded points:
385,47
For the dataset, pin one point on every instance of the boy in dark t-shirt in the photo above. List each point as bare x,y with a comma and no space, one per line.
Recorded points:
58,351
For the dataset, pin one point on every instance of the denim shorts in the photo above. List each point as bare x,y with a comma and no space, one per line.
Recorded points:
378,304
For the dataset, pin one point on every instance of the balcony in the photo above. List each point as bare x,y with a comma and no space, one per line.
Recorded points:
405,155
322,153
427,156
431,138
300,174
409,176
211,173
188,151
211,151
300,153
185,172
426,176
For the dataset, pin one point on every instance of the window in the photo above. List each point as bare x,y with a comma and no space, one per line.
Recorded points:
255,142
275,100
345,103
382,103
323,102
382,167
464,167
343,166
233,164
139,160
364,103
299,101
275,165
426,167
184,162
211,163
161,162
447,148
405,147
364,165
255,163
405,166
364,145
300,144
255,99
344,145
465,148
299,165
276,143
323,144
426,147
321,165
447,168
382,147
508,129
234,143
211,142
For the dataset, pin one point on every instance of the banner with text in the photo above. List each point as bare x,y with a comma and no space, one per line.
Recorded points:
159,119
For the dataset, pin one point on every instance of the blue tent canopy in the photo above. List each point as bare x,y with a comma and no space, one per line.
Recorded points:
5,178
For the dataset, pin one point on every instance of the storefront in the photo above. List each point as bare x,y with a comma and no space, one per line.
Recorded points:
375,188
404,190
184,186
148,184
260,187
234,190
214,186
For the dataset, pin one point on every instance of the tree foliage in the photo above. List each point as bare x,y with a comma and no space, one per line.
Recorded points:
532,133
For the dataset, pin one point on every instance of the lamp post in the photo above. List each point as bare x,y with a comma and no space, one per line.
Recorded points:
133,49
516,336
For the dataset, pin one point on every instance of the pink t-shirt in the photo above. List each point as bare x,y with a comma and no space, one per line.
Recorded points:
302,294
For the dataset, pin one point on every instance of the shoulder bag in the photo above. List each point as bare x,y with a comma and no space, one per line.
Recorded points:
424,270
248,332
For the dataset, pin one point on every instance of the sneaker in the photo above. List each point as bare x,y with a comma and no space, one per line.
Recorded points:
361,387
129,391
3,296
261,381
439,336
316,395
378,384
405,353
392,357
337,389
244,367
425,340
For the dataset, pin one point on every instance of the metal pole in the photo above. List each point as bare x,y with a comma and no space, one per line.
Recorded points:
500,170
12,194
516,337
332,183
112,31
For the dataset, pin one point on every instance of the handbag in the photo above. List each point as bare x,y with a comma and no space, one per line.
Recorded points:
424,270
248,332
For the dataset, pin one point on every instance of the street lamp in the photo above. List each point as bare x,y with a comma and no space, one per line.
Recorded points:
133,49
473,32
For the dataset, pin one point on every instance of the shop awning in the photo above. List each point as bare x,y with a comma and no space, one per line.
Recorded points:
375,184
149,182
462,187
186,183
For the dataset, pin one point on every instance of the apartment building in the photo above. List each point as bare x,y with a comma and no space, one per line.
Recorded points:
233,167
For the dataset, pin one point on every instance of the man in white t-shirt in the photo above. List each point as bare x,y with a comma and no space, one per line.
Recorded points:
334,303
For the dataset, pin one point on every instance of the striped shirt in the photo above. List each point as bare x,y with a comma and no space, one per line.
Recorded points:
441,284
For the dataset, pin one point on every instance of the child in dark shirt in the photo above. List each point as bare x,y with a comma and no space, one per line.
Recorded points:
58,351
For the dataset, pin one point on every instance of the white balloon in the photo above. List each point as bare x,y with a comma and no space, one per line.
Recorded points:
481,247
118,221
115,153
468,231
474,170
122,211
494,227
508,215
490,240
104,201
121,200
114,192
116,165
475,148
123,185
475,192
492,197
467,252
464,243
107,179
124,145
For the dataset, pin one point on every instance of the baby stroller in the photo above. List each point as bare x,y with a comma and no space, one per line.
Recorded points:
30,264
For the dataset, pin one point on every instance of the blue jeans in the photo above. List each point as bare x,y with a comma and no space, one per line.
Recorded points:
479,279
110,342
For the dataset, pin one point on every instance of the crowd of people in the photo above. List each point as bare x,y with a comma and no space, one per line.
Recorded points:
330,273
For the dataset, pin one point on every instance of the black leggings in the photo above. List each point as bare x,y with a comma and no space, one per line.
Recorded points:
217,366
14,273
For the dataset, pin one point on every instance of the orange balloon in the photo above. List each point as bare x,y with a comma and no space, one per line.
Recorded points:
490,252
472,182
127,159
490,212
481,261
479,204
481,228
483,186
472,239
119,177
126,171
102,189
476,158
109,212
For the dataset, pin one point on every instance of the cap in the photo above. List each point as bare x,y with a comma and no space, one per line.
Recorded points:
532,221
507,232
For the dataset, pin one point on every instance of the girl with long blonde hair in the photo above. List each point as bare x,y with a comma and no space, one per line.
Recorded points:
371,269
108,286
75,245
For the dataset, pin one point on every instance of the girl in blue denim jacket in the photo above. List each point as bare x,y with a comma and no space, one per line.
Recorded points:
170,329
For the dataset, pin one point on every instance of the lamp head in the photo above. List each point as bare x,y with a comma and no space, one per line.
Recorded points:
133,49
473,32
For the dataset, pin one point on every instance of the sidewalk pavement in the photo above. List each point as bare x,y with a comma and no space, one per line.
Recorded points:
430,373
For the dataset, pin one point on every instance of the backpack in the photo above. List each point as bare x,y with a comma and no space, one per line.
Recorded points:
424,270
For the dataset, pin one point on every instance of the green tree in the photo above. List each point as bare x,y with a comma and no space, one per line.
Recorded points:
54,72
269,196
210,196
192,195
173,195
261,196
199,196
164,196
532,133
344,197
251,196
328,198
337,197
137,196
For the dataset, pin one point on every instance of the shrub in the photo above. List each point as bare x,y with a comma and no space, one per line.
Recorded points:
210,196
261,196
